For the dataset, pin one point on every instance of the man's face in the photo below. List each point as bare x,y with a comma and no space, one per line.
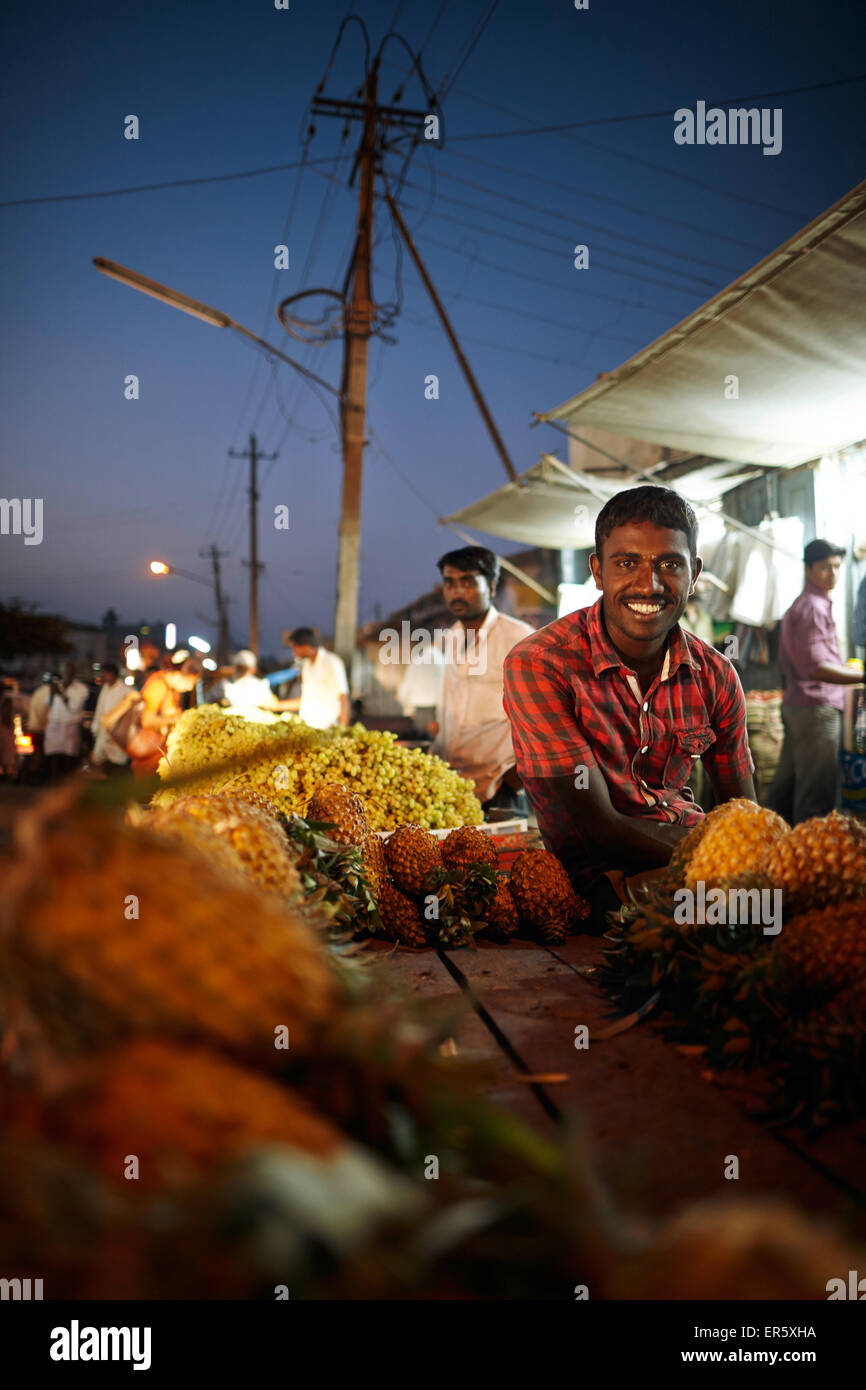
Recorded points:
645,574
824,574
466,593
107,677
303,652
68,673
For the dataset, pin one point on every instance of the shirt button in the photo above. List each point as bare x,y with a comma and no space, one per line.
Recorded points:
646,705
645,747
664,803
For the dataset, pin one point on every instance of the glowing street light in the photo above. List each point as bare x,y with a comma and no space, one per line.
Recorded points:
198,644
157,567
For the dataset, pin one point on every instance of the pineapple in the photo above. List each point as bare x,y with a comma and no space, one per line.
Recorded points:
401,920
819,862
342,810
502,918
466,846
735,841
181,1111
108,933
233,832
683,852
825,949
410,853
745,1249
373,858
543,894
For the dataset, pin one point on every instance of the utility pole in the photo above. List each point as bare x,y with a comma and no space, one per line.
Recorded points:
254,455
354,406
358,327
214,554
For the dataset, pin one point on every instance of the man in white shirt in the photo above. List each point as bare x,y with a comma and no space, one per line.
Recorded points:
473,733
249,692
63,729
324,688
107,753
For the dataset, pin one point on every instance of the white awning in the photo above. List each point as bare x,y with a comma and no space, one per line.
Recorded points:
789,337
552,506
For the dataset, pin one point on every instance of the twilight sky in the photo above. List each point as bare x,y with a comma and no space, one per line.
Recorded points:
222,87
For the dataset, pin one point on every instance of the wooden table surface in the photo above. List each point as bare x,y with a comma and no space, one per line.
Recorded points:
661,1125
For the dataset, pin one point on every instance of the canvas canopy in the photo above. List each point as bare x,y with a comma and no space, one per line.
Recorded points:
553,507
770,371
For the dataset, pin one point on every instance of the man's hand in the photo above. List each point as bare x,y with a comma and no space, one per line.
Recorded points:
637,841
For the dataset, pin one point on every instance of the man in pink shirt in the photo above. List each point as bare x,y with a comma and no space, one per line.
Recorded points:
807,777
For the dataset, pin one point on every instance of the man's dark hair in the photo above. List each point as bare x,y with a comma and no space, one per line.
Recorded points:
473,559
110,666
304,637
660,505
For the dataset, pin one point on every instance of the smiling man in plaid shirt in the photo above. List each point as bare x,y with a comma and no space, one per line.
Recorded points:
611,706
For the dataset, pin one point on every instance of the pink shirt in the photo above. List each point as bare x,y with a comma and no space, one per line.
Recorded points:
808,638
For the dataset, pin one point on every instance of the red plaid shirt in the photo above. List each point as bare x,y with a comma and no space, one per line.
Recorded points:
572,702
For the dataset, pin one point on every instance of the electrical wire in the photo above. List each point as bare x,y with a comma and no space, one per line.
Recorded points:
656,115
503,347
550,251
642,163
601,198
565,217
541,280
154,187
449,80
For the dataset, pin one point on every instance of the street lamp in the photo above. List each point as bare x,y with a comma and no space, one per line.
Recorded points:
215,317
160,567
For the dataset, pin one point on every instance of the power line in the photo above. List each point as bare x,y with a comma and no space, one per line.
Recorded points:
448,81
173,183
655,115
550,251
565,217
601,198
504,347
459,296
636,159
541,280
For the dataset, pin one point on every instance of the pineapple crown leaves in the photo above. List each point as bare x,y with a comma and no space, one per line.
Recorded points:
464,897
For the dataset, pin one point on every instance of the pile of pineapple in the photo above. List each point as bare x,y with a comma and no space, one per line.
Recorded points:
791,999
285,761
445,893
199,1099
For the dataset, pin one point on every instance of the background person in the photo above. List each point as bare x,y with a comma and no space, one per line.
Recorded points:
324,688
68,696
807,778
107,753
163,707
472,731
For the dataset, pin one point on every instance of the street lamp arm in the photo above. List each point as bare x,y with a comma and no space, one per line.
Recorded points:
187,574
198,310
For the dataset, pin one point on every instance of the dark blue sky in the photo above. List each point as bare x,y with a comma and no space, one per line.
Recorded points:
222,87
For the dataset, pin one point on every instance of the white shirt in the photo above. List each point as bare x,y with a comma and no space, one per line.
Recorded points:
249,692
63,730
474,732
323,681
104,747
37,716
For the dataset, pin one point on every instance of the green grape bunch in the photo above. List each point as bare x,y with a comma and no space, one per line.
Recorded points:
398,785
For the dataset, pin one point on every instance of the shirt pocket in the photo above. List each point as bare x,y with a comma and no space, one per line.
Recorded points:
688,747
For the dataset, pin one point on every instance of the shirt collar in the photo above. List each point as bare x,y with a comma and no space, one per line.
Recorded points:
489,619
604,655
815,592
